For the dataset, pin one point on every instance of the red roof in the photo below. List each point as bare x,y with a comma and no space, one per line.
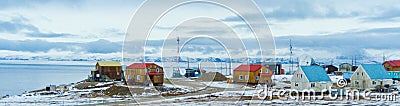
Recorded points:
140,65
394,63
248,67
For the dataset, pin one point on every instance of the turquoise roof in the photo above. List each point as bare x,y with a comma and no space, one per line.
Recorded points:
394,74
376,71
347,75
315,73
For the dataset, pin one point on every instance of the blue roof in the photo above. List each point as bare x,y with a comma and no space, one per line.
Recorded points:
347,75
315,73
376,71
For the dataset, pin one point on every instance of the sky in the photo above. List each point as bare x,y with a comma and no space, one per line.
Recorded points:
86,28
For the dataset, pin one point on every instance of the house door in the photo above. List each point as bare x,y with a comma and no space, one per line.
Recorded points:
363,84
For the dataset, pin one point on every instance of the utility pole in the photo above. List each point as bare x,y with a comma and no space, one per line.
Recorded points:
355,60
220,65
298,62
291,53
352,61
188,62
230,66
226,68
384,58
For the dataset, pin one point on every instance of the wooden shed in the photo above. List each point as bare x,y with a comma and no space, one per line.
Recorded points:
330,69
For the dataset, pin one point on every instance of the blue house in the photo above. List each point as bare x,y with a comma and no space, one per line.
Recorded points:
311,77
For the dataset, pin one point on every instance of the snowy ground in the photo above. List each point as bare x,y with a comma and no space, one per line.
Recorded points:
189,93
55,100
71,97
221,85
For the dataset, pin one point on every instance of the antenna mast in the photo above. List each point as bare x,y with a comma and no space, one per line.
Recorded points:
177,60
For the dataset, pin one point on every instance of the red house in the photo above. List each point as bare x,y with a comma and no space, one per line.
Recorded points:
393,65
144,74
252,73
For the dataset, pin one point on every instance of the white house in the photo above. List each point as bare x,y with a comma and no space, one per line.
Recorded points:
370,76
311,78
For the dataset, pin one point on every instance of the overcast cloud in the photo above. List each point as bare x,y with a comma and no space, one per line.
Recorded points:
97,27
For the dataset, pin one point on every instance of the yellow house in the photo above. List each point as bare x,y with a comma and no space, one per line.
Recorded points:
252,74
345,67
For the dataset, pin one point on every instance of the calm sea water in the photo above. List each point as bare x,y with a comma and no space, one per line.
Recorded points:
16,78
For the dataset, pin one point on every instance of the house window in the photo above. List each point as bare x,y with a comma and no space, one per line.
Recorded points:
247,77
296,84
356,82
261,71
358,73
240,77
301,76
148,69
312,84
129,76
258,77
138,77
157,70
373,82
362,74
297,75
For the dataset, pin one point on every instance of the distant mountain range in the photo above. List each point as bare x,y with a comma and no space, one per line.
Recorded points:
302,61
